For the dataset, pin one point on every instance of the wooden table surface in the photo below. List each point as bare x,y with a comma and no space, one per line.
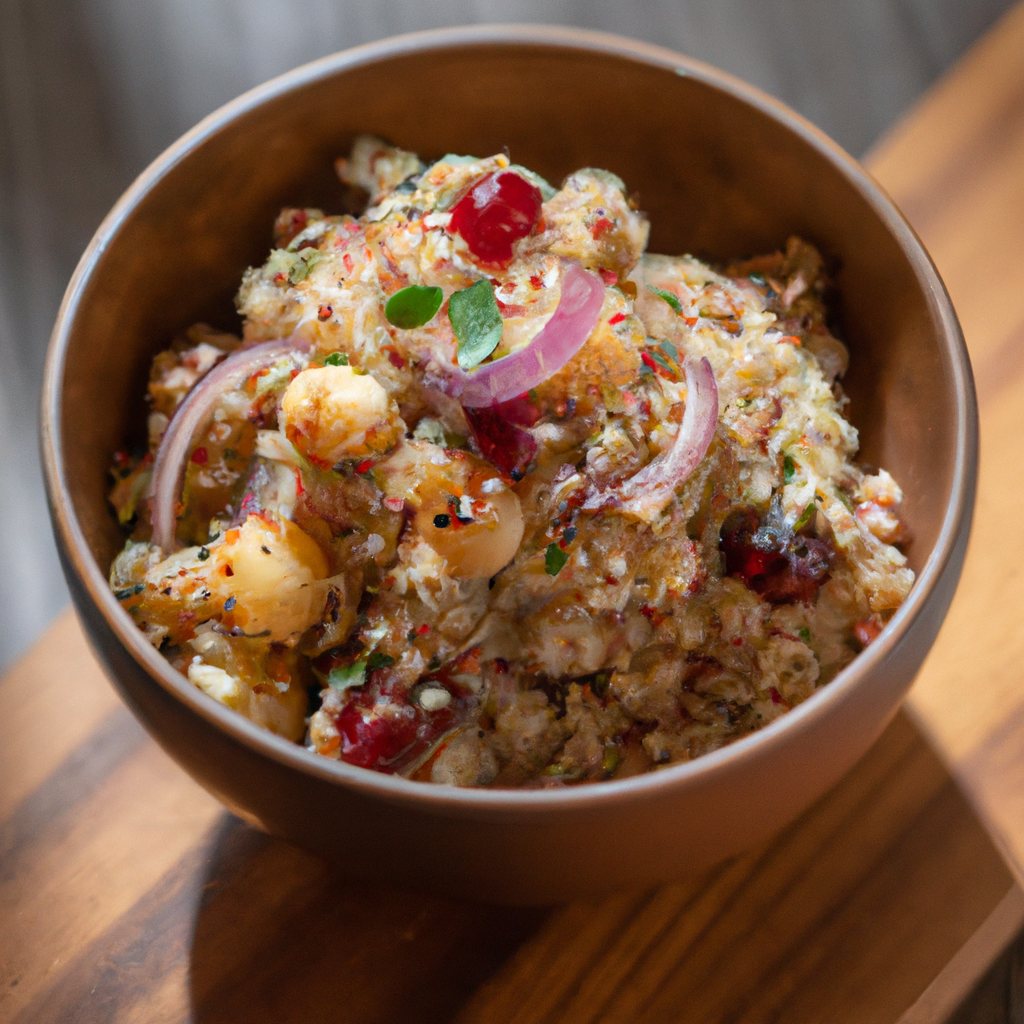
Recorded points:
128,894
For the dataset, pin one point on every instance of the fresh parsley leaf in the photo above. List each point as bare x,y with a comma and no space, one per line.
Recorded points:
788,469
671,299
476,322
554,559
346,677
336,359
413,306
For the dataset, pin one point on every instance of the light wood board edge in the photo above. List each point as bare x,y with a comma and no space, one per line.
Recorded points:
955,982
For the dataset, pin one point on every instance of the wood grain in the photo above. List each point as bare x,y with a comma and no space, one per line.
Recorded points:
127,894
955,167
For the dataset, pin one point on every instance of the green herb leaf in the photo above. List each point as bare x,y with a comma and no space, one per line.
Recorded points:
413,306
554,559
378,660
665,361
336,359
123,595
346,677
805,517
476,322
788,469
672,300
805,634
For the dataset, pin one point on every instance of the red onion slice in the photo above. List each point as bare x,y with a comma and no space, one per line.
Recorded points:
647,492
193,414
557,342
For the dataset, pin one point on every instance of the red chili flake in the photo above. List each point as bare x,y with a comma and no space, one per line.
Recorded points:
396,359
737,641
617,319
608,276
200,456
365,466
656,617
228,571
350,265
324,313
611,581
294,373
299,489
395,504
422,630
776,696
790,339
279,278
602,227
649,362
388,581
535,281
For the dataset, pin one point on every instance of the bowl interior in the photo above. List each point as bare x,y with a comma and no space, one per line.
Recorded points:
721,175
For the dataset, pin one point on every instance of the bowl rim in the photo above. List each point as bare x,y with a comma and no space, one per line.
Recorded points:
476,801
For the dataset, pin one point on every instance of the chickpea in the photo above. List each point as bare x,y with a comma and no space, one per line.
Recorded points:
463,509
266,574
331,413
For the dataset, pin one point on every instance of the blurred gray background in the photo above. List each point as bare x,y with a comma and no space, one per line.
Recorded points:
92,90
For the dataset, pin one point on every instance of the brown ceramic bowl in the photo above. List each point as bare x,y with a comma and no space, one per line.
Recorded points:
723,171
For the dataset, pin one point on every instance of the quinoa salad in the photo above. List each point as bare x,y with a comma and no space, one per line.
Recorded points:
487,495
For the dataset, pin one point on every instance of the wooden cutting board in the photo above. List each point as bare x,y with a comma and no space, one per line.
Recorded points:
129,894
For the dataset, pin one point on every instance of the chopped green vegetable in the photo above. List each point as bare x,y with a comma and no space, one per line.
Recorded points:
378,660
788,468
413,306
666,355
123,595
203,554
346,677
806,516
742,403
672,300
476,322
805,634
554,559
336,359
294,266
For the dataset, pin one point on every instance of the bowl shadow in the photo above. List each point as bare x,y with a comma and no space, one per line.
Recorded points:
283,936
